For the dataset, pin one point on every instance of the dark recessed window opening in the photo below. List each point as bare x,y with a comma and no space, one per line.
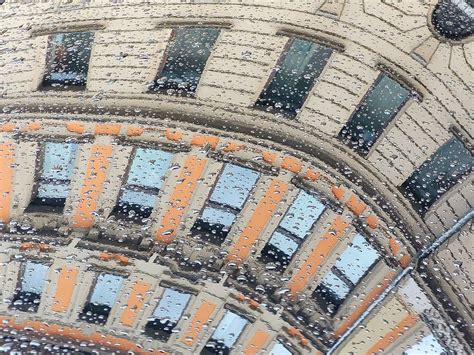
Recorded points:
379,106
143,183
28,294
344,276
448,165
102,299
225,335
185,59
67,60
294,77
292,230
167,314
57,161
454,19
226,201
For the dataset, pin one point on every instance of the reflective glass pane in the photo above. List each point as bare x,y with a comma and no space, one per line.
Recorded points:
53,190
234,185
229,329
336,285
357,259
283,243
302,214
187,55
218,216
280,349
171,306
67,62
148,168
59,159
106,289
437,175
302,64
34,277
378,108
428,346
138,198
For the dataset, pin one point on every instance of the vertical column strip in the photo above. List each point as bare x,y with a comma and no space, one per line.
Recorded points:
64,288
322,250
265,209
257,342
201,317
93,185
135,303
7,154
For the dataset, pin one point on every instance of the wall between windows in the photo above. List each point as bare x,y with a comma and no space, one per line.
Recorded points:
130,43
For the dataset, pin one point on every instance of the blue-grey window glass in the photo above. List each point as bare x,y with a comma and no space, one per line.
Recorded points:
454,19
185,59
102,299
67,60
169,310
145,177
300,66
32,281
292,230
343,277
226,334
449,164
377,109
280,349
225,202
57,165
428,345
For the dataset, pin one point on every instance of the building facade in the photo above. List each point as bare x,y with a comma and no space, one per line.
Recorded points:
282,177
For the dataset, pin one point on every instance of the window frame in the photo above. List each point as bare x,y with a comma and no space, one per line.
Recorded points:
291,39
194,232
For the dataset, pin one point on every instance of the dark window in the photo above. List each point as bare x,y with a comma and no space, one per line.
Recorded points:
28,294
299,67
437,175
67,61
54,178
293,229
143,183
103,297
454,19
378,108
344,276
227,199
167,314
185,59
226,334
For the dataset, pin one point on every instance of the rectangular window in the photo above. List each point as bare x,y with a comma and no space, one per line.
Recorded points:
185,60
226,201
351,267
143,183
67,60
292,231
32,280
167,314
299,67
226,334
280,349
54,178
379,106
449,164
103,297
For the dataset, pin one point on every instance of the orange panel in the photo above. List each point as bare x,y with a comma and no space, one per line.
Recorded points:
75,127
199,320
269,157
265,209
135,303
93,185
292,164
338,192
110,129
33,126
355,205
257,342
372,221
134,131
64,289
312,175
402,326
318,255
174,135
7,154
180,198
201,140
96,338
371,296
7,127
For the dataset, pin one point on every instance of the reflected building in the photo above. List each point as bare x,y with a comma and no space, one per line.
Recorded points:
228,177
